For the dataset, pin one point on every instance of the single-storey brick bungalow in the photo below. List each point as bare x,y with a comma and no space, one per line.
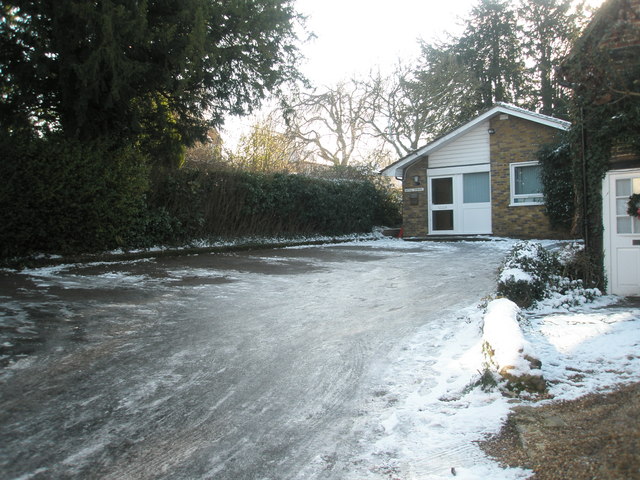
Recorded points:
480,179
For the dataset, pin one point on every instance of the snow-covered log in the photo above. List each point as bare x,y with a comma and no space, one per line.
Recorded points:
506,349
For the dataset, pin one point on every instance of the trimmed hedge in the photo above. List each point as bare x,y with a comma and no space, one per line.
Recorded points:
193,203
61,196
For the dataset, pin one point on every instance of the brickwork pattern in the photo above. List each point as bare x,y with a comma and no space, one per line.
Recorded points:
517,140
620,37
622,32
414,217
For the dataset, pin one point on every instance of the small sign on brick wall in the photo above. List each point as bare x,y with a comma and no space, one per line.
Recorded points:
418,189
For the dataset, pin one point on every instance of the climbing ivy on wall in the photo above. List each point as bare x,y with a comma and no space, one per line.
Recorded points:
605,114
557,182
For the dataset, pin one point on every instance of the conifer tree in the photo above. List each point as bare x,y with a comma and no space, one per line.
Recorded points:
490,49
549,29
158,73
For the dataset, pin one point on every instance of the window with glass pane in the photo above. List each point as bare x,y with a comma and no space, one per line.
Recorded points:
526,185
442,220
625,187
475,187
442,191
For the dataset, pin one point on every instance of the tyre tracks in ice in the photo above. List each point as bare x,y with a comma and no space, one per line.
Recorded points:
266,376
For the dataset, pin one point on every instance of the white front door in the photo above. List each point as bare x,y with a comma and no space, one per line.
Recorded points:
621,233
460,204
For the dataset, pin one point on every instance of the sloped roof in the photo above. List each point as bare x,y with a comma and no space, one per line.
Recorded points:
600,25
396,169
615,30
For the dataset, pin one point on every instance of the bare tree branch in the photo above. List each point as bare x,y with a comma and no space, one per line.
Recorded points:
335,123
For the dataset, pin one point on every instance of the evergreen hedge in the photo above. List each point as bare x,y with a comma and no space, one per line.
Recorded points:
558,184
192,203
62,196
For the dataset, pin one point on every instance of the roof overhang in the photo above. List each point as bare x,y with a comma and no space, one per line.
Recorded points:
397,169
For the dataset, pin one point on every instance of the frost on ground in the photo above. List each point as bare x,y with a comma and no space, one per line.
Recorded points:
506,350
431,410
422,411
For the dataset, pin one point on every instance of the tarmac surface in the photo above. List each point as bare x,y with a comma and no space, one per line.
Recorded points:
249,365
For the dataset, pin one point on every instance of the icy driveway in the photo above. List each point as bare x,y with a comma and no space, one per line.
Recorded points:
258,365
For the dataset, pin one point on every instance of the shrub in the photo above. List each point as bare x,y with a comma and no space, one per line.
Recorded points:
61,196
558,184
526,272
577,265
530,274
192,204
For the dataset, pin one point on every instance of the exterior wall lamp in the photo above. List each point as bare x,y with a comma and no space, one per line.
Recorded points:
491,131
416,179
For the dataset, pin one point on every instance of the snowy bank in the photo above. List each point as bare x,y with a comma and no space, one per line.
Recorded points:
506,349
434,410
197,246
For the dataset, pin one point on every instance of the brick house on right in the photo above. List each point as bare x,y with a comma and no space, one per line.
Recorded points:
483,178
604,73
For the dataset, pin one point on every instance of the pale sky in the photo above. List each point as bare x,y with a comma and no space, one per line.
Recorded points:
354,36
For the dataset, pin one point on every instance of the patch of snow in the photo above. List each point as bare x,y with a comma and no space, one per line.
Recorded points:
258,240
437,418
589,351
503,333
437,414
30,475
515,275
573,300
568,252
82,455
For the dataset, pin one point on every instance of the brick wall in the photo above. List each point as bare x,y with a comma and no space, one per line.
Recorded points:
414,217
620,24
617,35
517,140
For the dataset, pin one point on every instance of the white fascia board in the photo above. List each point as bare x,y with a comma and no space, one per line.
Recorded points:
476,168
532,116
396,169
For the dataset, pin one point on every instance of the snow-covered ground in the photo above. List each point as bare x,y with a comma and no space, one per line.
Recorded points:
429,416
423,416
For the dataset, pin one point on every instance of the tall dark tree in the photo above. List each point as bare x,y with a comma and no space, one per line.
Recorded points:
487,63
157,71
549,29
490,48
446,84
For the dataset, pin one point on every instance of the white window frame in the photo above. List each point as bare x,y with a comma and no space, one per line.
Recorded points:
512,187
